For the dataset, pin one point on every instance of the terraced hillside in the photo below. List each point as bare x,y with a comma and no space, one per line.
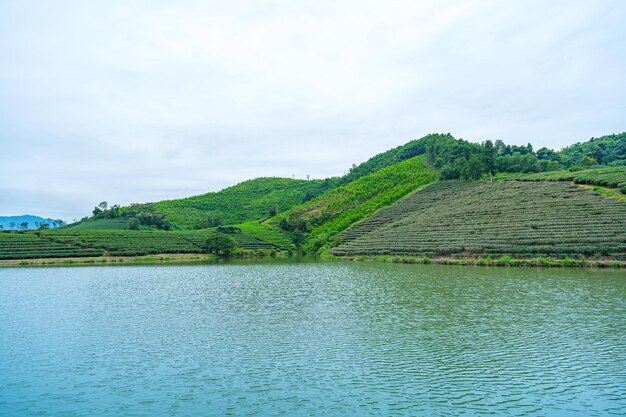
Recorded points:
515,218
14,245
612,177
64,243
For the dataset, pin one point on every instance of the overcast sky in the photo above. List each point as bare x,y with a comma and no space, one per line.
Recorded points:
135,101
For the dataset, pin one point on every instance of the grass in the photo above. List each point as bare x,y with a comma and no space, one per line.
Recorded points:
247,201
165,258
511,218
504,261
341,207
268,233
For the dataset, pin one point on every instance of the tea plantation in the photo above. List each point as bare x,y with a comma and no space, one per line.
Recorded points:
516,218
26,245
66,243
612,177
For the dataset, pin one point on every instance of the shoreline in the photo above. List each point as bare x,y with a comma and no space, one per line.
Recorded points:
195,258
504,261
161,258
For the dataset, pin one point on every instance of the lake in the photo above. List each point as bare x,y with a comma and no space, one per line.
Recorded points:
312,339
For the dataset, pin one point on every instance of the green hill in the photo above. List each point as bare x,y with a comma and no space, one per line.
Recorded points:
406,201
250,200
334,211
606,150
513,218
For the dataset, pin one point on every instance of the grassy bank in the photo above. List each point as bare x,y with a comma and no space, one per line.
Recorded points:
504,261
165,258
186,258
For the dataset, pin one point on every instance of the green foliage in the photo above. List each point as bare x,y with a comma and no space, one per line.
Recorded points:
336,210
298,238
395,155
460,159
221,244
510,218
100,224
268,233
132,224
247,201
229,229
611,177
606,150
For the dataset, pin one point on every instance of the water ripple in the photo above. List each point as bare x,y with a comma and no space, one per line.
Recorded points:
312,339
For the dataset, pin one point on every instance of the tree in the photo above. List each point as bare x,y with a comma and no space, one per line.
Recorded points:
132,223
220,244
24,225
44,225
489,157
103,205
308,196
546,154
298,238
449,172
60,222
12,225
589,161
473,170
500,147
214,221
202,224
1,227
272,211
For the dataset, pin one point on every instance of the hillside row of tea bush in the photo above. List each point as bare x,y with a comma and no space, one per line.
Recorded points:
500,218
62,243
613,177
27,245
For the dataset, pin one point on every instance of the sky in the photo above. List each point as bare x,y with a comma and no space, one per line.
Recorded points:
137,101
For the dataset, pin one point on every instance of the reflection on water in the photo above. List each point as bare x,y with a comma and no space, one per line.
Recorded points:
308,339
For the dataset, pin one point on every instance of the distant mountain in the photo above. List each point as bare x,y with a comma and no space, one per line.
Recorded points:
32,222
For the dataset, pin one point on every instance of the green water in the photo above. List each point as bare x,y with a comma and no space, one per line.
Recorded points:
312,339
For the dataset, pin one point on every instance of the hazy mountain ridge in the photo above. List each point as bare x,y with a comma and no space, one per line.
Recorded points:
32,222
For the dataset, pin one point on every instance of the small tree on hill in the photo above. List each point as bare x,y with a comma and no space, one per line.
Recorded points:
214,221
132,223
298,238
221,245
24,225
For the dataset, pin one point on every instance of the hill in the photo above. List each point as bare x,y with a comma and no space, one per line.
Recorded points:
337,209
428,197
606,150
27,222
250,200
513,218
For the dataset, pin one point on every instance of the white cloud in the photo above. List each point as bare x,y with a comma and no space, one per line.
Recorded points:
139,101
